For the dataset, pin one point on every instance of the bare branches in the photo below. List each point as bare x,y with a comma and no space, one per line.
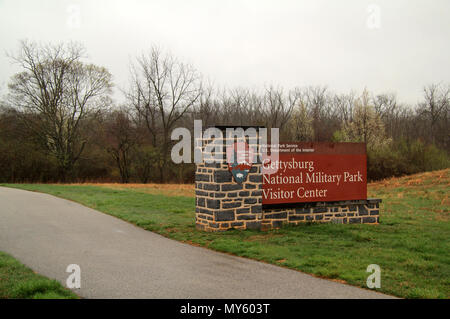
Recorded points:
122,137
436,108
162,91
55,92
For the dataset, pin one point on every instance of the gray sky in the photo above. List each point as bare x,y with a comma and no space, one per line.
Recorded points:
387,46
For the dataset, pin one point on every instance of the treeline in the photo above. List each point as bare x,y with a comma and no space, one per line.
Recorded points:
58,122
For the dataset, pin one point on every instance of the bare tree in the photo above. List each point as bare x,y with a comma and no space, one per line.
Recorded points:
343,105
436,107
208,108
316,99
121,138
55,92
277,106
236,107
387,108
299,126
162,91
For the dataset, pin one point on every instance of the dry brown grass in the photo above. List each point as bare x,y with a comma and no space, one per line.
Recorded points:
156,189
433,186
441,177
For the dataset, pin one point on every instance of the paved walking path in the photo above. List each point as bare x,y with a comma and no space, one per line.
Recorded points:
119,260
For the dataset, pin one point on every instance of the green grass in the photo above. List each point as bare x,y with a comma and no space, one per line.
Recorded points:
411,244
19,281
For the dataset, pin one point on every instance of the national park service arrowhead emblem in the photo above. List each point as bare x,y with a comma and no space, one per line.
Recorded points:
239,159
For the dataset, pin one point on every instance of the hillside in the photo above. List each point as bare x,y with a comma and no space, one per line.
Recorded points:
424,193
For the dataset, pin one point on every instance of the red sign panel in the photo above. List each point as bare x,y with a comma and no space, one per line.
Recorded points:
312,172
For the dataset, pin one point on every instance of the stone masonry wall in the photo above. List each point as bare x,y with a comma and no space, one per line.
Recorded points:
340,212
221,203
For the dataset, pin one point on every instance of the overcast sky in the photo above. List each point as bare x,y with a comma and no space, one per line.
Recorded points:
387,46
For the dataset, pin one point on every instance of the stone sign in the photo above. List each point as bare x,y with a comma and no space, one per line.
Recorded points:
308,183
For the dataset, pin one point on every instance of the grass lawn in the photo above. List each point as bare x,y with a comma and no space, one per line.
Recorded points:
411,244
19,281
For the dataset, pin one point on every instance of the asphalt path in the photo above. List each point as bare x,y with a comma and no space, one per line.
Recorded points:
120,260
